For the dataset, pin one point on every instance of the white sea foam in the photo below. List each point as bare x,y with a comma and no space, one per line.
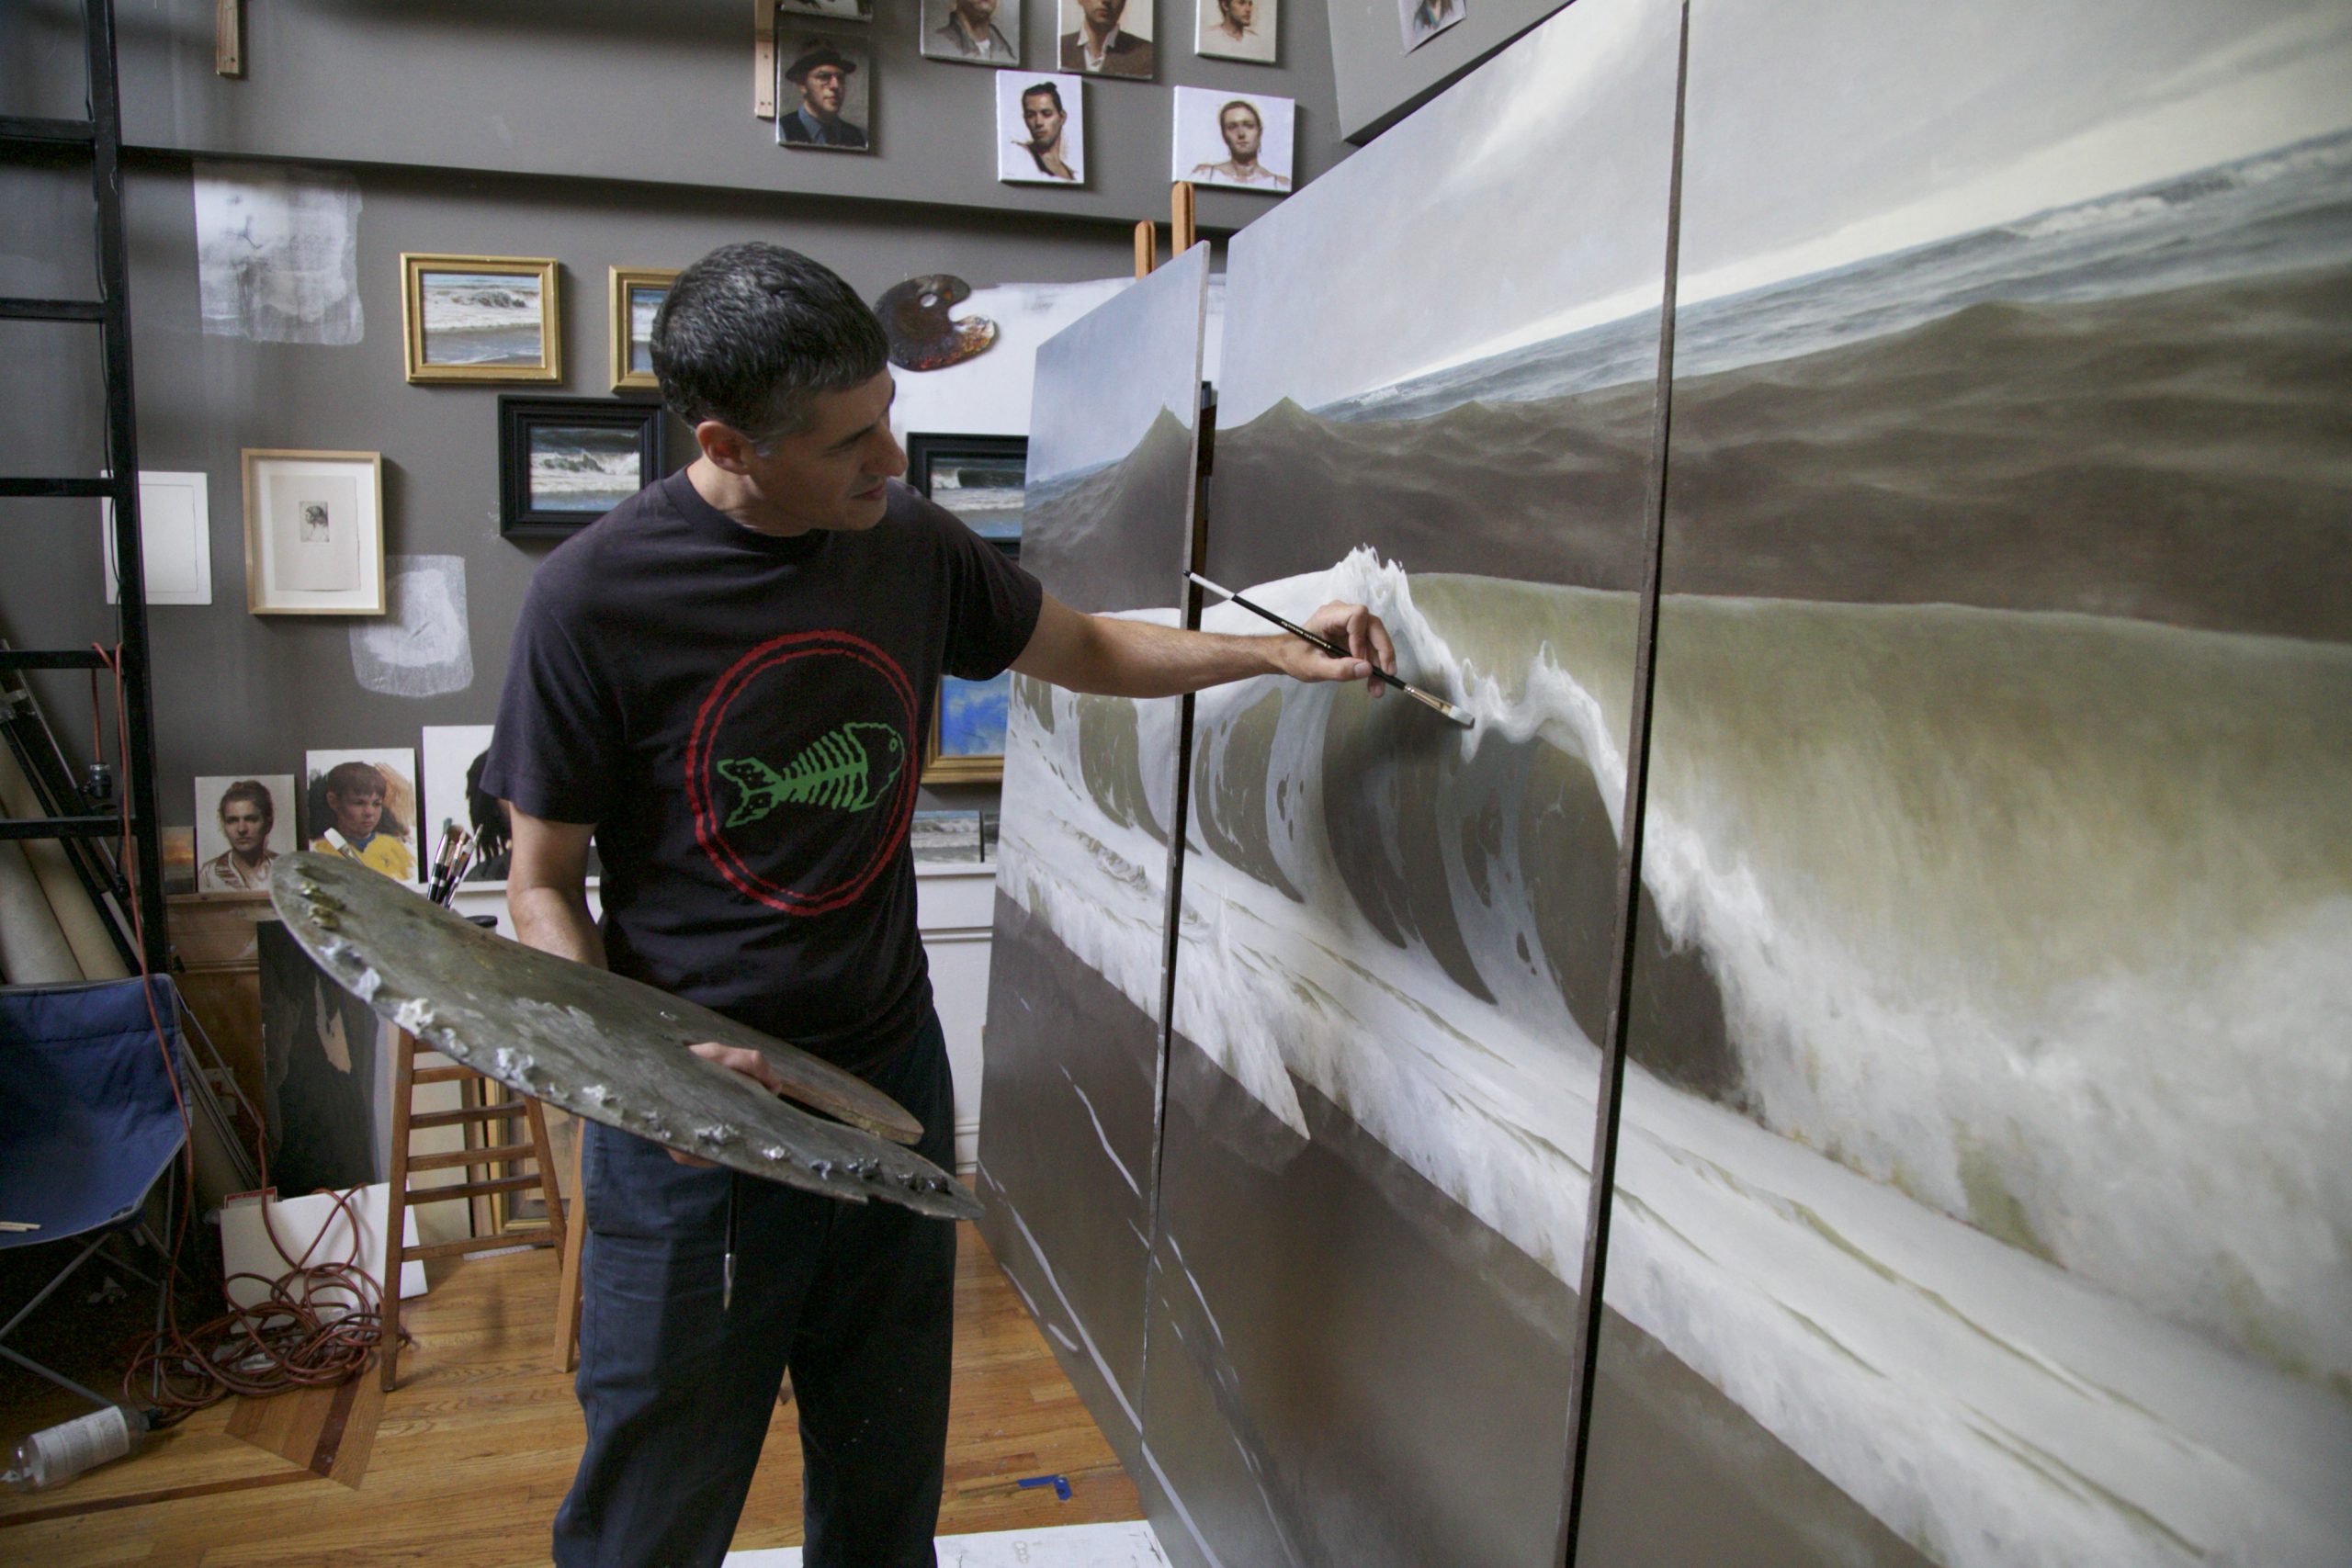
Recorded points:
2166,1126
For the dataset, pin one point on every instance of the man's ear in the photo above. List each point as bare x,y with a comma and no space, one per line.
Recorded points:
724,446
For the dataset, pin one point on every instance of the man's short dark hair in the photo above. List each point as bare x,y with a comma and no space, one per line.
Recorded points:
254,790
1045,89
751,332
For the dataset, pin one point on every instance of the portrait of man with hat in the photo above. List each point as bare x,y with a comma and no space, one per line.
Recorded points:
822,71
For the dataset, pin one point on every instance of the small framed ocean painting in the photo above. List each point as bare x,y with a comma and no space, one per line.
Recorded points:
979,478
637,293
564,462
967,731
481,318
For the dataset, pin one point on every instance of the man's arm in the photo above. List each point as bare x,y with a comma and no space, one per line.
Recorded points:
547,897
1136,659
547,888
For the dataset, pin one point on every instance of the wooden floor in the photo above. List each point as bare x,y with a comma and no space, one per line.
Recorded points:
462,1465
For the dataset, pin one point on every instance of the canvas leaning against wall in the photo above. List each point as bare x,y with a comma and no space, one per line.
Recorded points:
1982,1198
1076,966
1438,400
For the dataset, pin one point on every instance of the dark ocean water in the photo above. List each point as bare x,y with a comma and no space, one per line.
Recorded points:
2279,211
2136,407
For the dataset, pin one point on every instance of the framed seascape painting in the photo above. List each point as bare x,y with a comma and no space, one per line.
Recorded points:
1236,29
979,478
972,32
481,318
637,293
314,533
564,462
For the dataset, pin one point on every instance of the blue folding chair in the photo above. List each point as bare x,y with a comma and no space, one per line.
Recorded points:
89,1123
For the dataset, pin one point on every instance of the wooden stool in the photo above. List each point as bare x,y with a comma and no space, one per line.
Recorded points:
406,1118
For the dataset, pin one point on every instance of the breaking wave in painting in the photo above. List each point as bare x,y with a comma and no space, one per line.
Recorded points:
1912,1214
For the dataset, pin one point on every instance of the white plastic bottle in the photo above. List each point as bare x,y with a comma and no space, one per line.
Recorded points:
57,1454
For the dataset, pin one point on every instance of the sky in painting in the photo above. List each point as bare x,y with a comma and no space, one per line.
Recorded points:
1929,120
1143,347
1417,248
1912,122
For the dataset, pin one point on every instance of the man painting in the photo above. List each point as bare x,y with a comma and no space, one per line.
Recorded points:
970,33
1043,118
366,832
783,596
247,814
822,75
1244,132
1097,45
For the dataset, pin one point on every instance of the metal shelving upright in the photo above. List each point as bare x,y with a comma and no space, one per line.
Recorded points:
101,135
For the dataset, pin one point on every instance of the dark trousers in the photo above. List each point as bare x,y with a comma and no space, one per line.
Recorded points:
856,1299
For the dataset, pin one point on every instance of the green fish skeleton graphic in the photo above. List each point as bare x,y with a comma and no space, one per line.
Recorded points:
849,769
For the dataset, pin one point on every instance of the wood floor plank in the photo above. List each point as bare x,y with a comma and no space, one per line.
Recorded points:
464,1464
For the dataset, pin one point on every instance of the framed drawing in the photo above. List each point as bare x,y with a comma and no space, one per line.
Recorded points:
564,462
314,533
637,294
981,478
481,318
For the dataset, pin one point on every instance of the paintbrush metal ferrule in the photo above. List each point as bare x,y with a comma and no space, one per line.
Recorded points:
1436,703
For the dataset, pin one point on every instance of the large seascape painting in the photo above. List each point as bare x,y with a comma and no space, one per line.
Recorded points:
1076,969
1394,941
1984,1198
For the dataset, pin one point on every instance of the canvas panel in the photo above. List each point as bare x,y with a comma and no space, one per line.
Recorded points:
1982,1182
1090,796
1437,399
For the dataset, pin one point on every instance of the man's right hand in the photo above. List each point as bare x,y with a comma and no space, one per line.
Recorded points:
738,1059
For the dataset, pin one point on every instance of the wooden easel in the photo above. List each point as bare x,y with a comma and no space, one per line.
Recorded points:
1181,234
406,1118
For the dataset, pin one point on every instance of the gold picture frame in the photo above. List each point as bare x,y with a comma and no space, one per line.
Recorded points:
499,319
628,284
980,479
314,531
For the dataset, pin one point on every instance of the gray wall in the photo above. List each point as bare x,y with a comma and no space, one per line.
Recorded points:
1378,83
627,89
613,132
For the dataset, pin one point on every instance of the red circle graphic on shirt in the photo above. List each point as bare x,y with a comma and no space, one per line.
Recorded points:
898,809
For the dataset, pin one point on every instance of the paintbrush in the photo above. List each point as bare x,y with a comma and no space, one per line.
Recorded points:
445,864
1335,651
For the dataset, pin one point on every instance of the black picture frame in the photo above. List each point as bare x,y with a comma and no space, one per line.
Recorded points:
621,425
944,468
930,456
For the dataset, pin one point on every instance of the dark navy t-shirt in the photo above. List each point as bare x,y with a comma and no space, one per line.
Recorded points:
741,718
